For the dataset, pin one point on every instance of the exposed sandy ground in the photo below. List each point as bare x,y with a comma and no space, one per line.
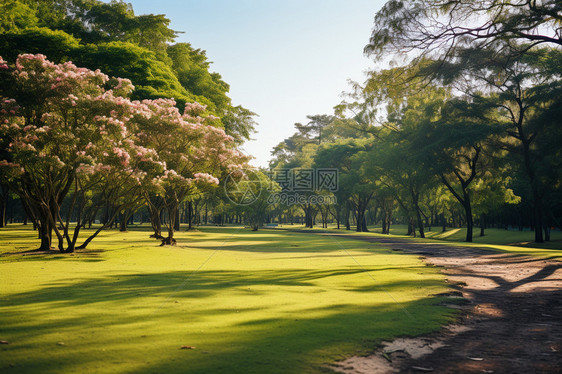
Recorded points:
510,323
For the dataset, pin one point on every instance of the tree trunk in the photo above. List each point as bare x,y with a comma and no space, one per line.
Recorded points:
388,222
3,204
46,236
338,215
387,218
308,216
155,221
547,226
420,223
347,223
411,228
362,203
189,215
547,233
468,213
102,227
122,222
360,218
177,220
173,208
415,200
538,221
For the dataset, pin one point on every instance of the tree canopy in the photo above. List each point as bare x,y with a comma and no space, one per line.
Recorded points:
112,38
439,28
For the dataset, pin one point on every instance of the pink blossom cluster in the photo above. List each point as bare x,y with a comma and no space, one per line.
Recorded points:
13,168
123,155
3,64
206,178
99,133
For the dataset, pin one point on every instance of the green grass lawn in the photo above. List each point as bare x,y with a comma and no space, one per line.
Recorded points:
498,236
510,241
249,302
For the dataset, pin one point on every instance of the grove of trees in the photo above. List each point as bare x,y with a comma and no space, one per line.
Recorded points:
102,114
71,133
464,123
458,125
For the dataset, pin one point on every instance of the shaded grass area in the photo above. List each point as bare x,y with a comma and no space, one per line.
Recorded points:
249,302
509,241
499,236
491,236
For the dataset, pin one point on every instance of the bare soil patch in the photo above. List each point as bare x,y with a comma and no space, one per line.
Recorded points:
511,322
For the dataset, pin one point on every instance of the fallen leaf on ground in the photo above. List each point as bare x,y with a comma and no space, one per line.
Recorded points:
187,347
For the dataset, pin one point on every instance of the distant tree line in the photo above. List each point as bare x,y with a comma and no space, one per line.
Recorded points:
468,129
461,128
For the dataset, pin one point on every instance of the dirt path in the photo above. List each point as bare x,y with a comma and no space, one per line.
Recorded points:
511,322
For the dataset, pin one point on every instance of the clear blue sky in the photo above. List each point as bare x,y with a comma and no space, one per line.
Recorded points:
283,59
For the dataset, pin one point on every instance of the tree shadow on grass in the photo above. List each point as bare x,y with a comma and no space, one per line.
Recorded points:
204,283
117,310
254,341
443,249
229,240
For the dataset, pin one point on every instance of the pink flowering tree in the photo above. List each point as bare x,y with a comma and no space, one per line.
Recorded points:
68,132
194,153
117,182
64,133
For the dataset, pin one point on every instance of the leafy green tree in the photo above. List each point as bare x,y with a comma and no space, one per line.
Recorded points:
239,123
195,155
262,188
152,78
57,45
16,15
441,27
454,145
192,70
356,185
58,119
404,105
298,149
110,37
526,95
492,191
314,129
338,155
401,170
94,21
